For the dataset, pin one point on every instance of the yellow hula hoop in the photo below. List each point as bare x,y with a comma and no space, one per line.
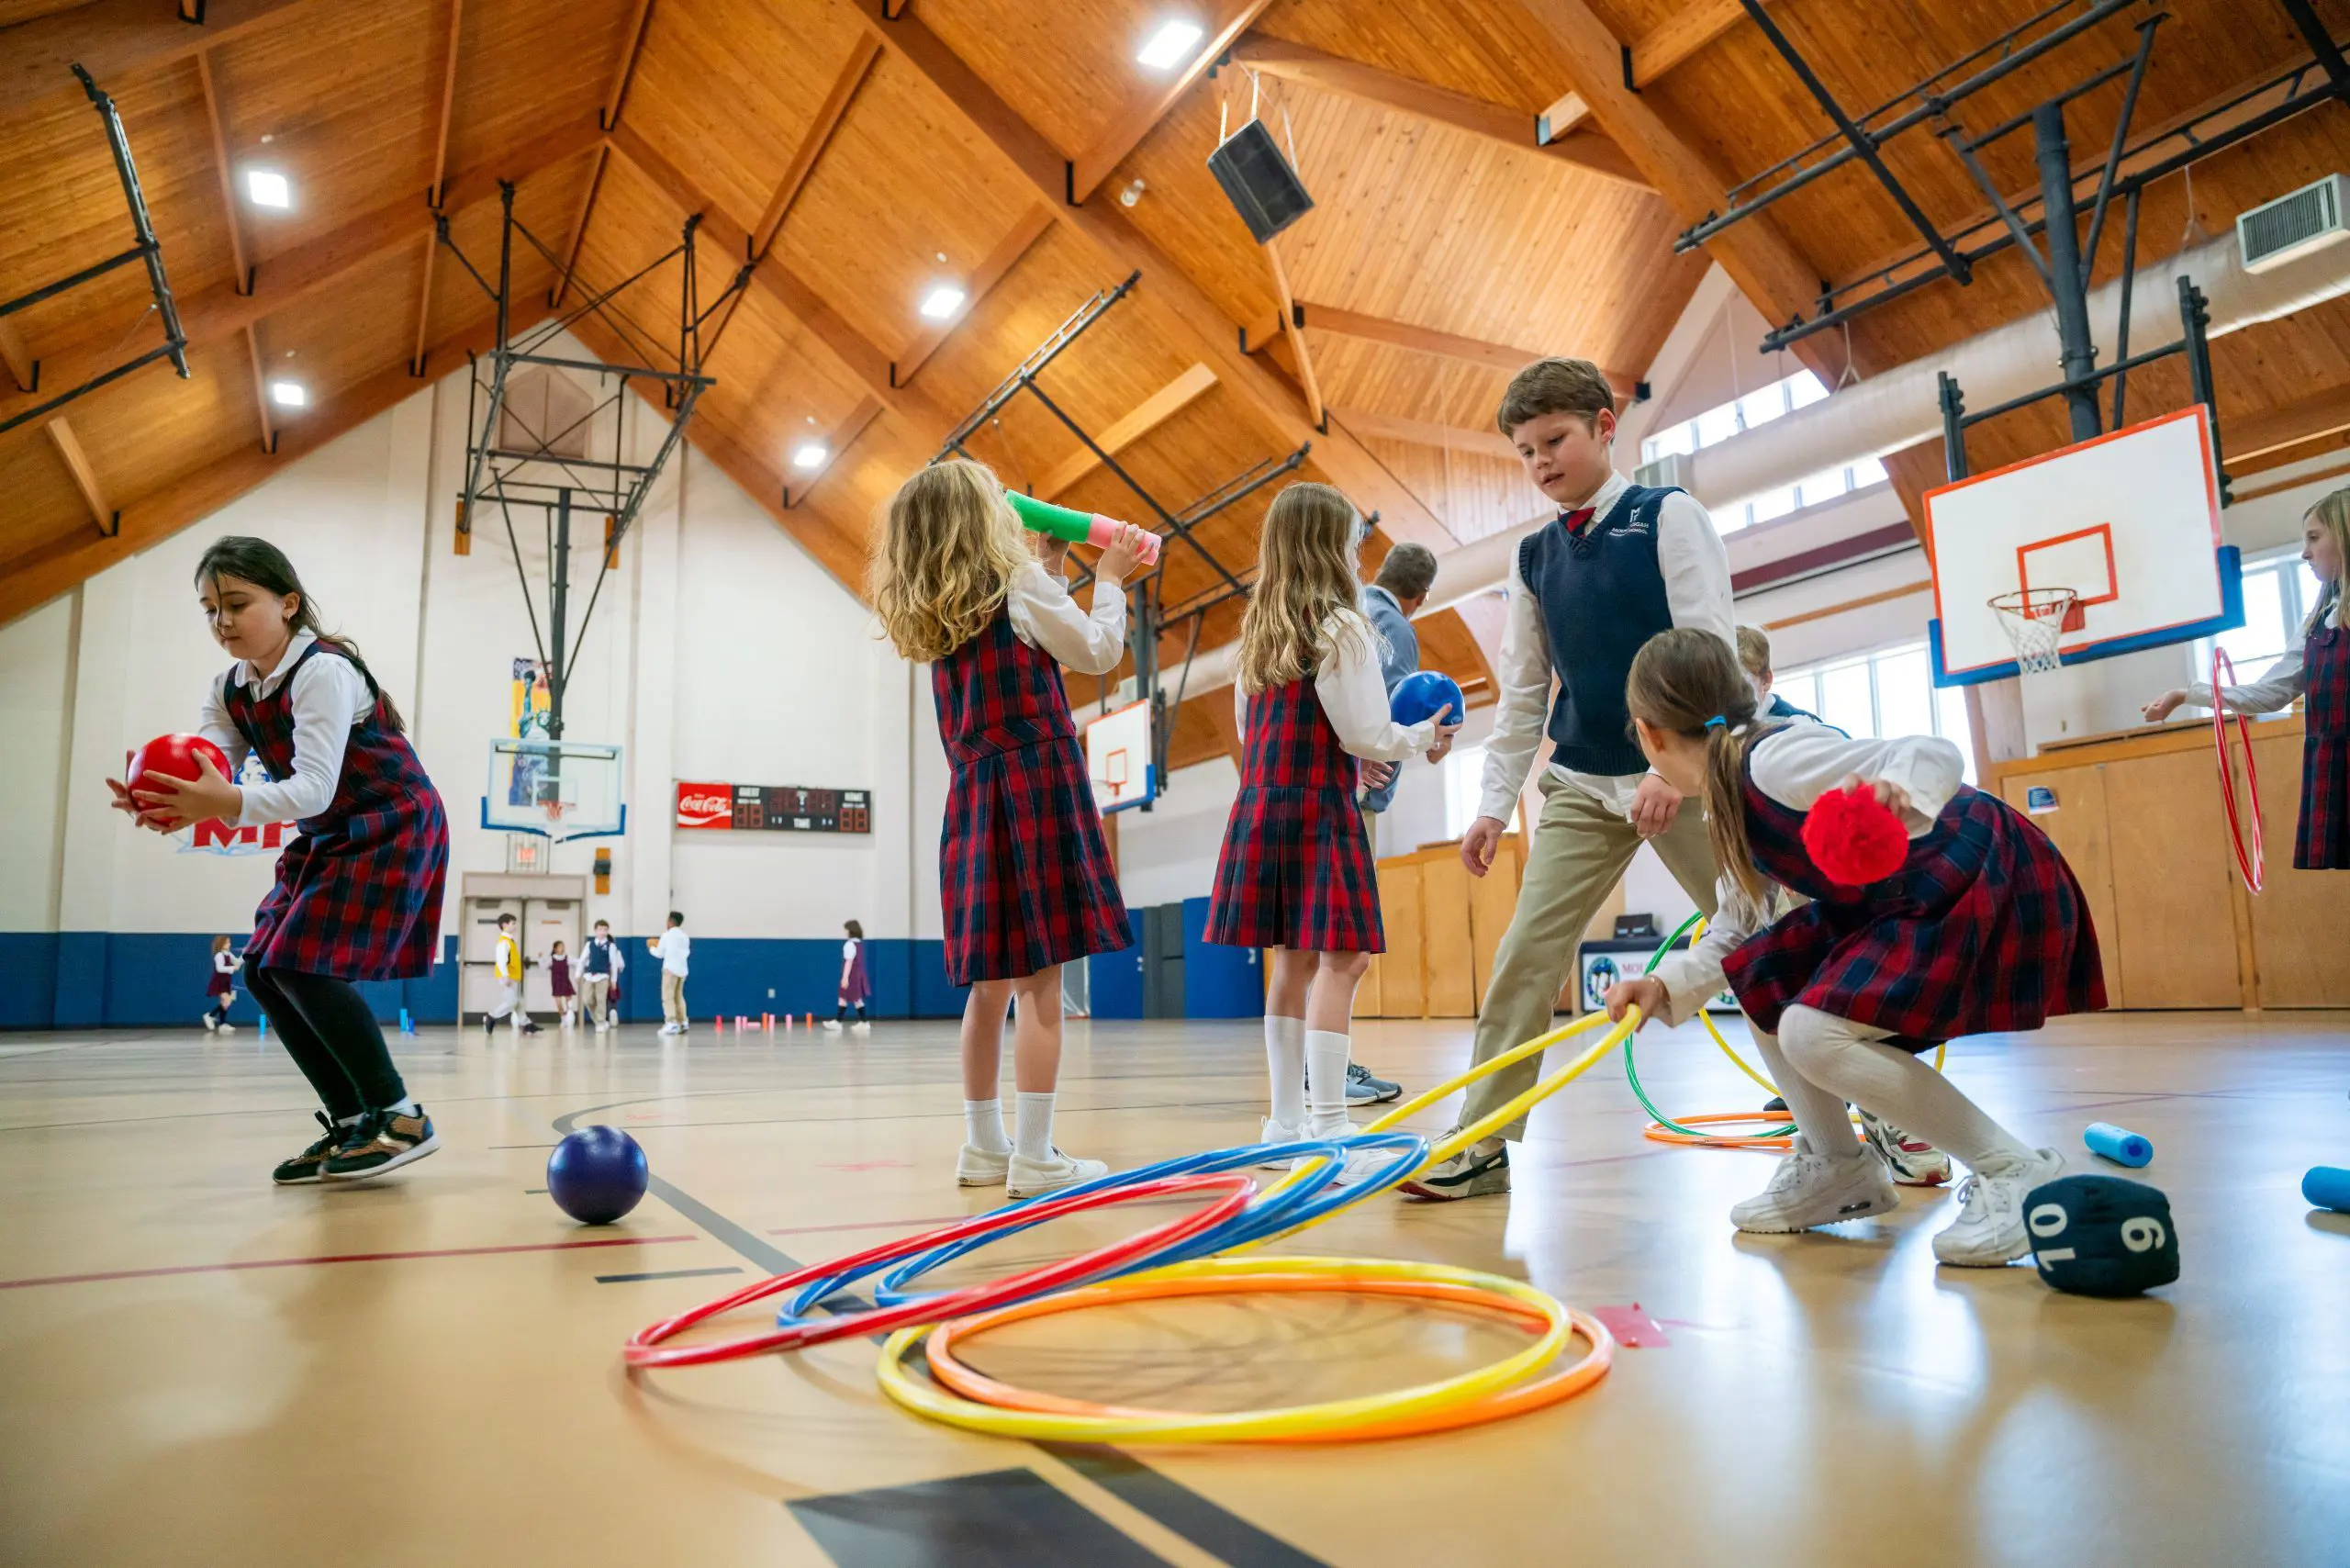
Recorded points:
1325,1420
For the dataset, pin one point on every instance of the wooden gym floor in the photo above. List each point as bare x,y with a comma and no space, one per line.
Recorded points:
197,1368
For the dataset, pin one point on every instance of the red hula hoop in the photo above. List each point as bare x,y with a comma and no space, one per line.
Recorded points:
2250,866
1238,1188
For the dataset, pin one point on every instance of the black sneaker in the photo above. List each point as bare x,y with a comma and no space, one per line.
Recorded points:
305,1167
1774,1106
1468,1174
385,1141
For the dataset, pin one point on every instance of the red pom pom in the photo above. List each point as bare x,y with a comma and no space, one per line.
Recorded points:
1854,838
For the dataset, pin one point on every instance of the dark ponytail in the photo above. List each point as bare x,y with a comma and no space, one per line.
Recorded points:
1679,680
264,566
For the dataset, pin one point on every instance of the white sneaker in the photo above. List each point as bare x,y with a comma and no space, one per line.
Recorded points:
862,1027
1027,1178
831,1026
211,1025
673,1028
227,1028
1989,1230
1276,1132
602,1024
1913,1162
977,1167
1811,1189
1359,1165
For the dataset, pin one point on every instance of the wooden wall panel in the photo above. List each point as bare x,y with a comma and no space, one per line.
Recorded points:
1452,965
2301,923
2170,883
1493,900
1401,911
2082,831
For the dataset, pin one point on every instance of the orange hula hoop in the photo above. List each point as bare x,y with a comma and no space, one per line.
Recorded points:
2250,866
1657,1133
1560,1383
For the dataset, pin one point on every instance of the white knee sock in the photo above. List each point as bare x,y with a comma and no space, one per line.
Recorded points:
1818,1114
1325,1082
1836,1055
983,1126
1032,1128
1285,1065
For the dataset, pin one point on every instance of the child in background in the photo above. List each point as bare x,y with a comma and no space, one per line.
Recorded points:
1983,929
600,963
221,987
1024,877
358,895
1754,653
2320,668
675,949
505,963
856,986
566,1006
1294,873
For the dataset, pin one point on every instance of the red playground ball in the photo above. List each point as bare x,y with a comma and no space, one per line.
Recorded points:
171,757
596,1174
1854,838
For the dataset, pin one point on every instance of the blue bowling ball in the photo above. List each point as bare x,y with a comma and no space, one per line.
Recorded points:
596,1175
1422,695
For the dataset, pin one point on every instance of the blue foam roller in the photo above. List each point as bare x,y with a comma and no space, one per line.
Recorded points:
2119,1144
2327,1187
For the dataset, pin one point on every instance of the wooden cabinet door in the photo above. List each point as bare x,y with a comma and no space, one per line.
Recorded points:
1401,991
1449,969
2081,829
2300,923
1493,900
2173,912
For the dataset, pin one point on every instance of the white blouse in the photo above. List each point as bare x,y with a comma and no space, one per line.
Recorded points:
1354,696
1044,615
2278,686
1795,766
330,696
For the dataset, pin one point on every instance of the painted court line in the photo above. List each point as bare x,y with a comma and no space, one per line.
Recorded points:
665,1274
340,1258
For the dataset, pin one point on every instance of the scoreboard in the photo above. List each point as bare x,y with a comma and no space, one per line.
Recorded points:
773,808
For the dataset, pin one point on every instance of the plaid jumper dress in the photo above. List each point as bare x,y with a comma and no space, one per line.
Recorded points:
358,895
1024,875
1982,929
2323,843
1295,867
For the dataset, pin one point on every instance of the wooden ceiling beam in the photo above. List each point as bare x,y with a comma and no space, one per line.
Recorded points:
1167,299
1756,252
616,97
261,389
85,479
829,115
992,271
115,40
23,369
1143,110
218,127
1129,428
38,575
1668,43
851,348
579,234
448,104
836,441
1295,332
2279,430
1588,149
1344,323
216,314
1423,433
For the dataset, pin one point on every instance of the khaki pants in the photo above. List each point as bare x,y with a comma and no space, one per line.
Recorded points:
673,998
595,996
1579,852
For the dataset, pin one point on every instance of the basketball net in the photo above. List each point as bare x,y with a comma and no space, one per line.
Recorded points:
2034,621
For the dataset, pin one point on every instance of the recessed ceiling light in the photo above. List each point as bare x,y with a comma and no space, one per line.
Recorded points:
288,394
1169,46
267,187
811,455
942,300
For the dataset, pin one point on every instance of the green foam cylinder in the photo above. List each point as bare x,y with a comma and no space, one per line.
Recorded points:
1076,527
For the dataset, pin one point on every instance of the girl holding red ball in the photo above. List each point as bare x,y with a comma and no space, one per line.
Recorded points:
358,895
1978,926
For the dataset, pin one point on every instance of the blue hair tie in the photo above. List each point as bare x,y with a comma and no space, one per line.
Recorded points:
1718,722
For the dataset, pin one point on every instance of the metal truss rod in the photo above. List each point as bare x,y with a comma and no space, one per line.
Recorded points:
1025,372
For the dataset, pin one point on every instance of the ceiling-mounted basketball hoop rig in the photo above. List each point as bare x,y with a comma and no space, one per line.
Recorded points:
555,470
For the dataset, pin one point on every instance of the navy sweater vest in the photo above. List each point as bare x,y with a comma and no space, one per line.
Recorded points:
1602,595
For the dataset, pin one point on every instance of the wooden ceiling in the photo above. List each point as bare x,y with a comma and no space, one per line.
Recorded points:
856,160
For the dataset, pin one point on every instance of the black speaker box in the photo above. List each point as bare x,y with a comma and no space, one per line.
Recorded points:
1259,181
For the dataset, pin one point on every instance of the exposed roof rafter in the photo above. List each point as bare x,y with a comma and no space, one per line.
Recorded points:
85,479
1129,428
1142,112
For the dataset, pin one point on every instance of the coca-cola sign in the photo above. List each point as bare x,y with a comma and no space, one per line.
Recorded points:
706,805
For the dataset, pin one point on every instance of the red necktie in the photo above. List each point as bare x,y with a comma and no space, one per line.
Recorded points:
1575,519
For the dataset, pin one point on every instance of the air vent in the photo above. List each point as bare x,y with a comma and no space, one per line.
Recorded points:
2277,231
1671,471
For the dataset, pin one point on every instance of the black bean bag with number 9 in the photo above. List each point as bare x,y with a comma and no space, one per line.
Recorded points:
2101,1235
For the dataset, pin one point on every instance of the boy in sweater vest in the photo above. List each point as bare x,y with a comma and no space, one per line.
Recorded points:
1620,563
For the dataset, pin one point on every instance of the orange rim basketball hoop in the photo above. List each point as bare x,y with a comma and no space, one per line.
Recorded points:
2034,620
2249,865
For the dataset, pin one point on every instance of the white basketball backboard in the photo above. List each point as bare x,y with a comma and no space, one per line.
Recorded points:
1117,755
2130,522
